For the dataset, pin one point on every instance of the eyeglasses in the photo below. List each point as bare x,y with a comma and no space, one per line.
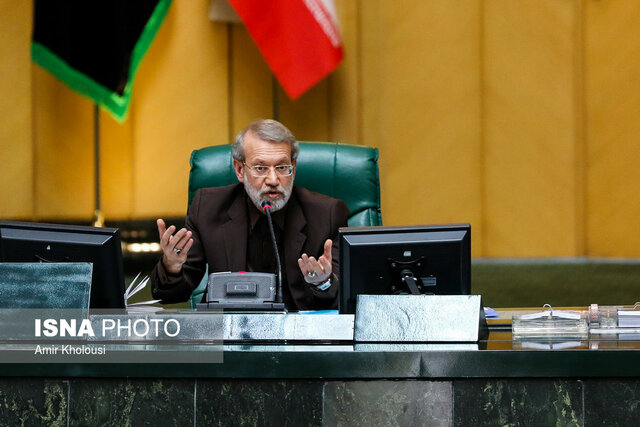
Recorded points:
261,171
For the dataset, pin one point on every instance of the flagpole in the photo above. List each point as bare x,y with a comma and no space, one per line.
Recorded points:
98,217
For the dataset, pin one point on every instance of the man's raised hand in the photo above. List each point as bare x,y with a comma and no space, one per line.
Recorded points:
317,271
174,246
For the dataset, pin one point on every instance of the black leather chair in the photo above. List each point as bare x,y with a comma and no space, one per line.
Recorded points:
344,171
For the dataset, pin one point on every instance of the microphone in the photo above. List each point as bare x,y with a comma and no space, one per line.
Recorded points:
266,208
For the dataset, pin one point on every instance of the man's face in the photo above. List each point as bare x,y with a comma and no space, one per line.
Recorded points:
272,187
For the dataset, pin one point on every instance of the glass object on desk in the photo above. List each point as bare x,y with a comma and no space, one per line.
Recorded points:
550,323
629,317
549,344
614,317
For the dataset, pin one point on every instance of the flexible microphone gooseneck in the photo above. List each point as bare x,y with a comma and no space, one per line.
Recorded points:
266,207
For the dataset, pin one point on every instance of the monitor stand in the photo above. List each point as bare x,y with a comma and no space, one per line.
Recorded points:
411,283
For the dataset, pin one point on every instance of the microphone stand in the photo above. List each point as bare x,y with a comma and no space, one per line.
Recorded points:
266,207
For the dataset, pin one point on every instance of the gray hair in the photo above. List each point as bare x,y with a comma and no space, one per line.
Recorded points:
266,130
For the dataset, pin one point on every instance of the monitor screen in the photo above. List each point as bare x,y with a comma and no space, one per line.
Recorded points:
39,242
433,259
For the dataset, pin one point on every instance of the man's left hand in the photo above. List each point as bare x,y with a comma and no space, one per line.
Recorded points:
317,271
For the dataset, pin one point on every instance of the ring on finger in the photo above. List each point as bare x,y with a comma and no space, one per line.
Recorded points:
311,274
177,251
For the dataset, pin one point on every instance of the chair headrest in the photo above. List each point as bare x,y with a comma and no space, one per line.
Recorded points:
344,171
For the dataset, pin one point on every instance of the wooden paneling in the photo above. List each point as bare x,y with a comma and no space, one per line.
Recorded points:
612,89
529,114
180,104
370,75
63,144
116,167
519,117
16,149
344,83
308,116
428,95
251,82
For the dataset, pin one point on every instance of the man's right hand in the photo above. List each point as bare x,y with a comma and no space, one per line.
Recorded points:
174,247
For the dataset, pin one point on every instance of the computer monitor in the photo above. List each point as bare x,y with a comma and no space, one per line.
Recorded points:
433,259
39,242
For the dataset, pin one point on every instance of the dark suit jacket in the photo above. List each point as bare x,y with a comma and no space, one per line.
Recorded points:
218,219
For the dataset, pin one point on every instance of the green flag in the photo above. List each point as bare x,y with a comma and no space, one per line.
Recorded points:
95,46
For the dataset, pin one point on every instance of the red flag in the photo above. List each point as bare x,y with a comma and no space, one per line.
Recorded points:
299,39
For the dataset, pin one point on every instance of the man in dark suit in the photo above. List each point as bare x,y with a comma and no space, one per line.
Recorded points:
227,230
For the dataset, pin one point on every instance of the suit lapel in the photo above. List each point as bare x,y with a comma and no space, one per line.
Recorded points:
294,238
234,234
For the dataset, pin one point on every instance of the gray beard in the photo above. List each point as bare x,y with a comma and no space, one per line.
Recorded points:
257,197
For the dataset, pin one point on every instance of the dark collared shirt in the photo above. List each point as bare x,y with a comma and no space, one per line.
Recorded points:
260,255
